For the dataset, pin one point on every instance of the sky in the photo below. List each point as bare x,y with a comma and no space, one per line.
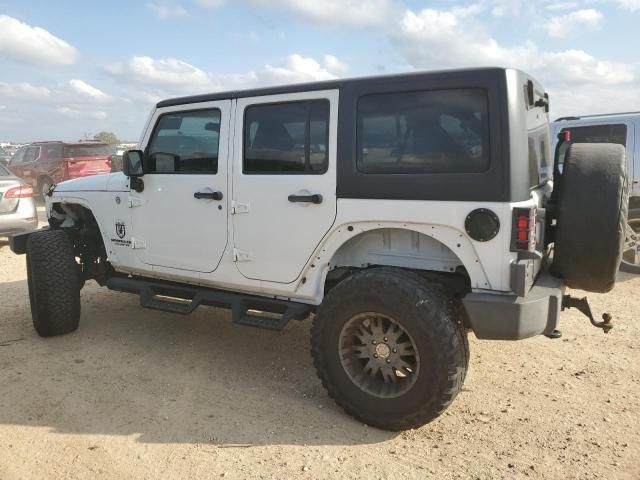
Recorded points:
72,68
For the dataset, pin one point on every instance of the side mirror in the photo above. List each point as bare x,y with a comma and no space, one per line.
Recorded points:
133,163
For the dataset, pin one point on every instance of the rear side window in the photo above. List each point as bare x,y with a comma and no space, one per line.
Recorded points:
53,152
613,133
286,138
71,151
185,142
438,131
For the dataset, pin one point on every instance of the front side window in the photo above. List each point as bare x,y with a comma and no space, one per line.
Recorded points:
31,154
438,131
18,157
286,138
185,142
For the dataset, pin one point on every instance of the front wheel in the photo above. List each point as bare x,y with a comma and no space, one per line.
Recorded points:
631,255
389,348
53,278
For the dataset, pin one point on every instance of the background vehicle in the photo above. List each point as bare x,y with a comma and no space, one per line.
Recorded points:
401,223
17,207
42,164
619,128
4,157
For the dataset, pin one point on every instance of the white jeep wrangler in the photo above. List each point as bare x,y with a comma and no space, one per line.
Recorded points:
399,212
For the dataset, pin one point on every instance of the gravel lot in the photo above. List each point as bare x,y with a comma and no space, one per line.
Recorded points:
141,394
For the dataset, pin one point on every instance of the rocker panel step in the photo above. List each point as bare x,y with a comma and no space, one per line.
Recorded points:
250,310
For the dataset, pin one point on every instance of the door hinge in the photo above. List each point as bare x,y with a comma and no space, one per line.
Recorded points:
138,244
135,202
239,207
240,256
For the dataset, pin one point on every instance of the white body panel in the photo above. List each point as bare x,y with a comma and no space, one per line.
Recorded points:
163,216
276,237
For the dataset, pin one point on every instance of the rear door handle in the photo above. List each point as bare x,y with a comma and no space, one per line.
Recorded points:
208,195
315,198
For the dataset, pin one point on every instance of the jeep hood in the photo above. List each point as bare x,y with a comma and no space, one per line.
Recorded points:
112,182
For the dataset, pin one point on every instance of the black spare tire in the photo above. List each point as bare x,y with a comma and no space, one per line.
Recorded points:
591,216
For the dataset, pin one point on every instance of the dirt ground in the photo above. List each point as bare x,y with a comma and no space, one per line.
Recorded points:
136,393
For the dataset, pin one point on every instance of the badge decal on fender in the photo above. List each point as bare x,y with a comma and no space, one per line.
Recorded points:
121,232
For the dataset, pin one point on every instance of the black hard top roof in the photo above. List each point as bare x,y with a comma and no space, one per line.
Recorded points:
305,87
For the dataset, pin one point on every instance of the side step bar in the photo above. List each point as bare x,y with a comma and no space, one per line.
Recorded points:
261,312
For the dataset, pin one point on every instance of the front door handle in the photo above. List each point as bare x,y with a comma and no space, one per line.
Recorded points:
315,198
208,195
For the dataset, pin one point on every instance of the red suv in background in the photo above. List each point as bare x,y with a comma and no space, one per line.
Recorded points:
42,164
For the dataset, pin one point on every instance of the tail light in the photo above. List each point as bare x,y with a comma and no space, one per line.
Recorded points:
22,191
523,235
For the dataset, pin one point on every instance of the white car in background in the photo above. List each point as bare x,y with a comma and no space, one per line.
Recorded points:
17,206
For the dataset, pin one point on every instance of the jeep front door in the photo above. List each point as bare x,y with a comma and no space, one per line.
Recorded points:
179,220
284,181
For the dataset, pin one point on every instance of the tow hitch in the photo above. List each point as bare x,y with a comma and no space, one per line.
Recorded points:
582,304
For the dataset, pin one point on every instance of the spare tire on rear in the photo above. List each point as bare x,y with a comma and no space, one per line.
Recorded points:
591,217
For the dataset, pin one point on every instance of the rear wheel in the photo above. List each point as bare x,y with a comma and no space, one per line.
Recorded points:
631,255
389,348
53,278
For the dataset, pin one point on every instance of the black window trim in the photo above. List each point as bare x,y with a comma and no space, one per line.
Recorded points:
155,128
307,152
493,185
442,89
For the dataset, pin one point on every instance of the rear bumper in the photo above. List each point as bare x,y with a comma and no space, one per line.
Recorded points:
512,317
24,219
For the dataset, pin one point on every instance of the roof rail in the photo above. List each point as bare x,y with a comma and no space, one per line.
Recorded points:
597,115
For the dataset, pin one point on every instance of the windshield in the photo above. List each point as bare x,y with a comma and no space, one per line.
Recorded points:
86,150
4,172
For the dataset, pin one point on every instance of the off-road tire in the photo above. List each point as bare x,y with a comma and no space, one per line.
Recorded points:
634,221
53,279
591,217
422,308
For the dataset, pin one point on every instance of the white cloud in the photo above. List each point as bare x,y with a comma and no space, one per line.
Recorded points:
83,88
298,69
631,5
159,78
334,65
210,3
554,7
337,12
28,44
566,25
23,90
82,114
432,39
169,71
166,10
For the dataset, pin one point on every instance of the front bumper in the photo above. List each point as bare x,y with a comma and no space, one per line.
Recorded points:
512,317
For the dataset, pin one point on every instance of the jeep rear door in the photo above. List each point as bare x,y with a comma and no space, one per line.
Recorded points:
284,181
179,220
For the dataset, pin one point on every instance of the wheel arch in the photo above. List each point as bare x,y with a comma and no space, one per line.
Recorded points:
418,247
